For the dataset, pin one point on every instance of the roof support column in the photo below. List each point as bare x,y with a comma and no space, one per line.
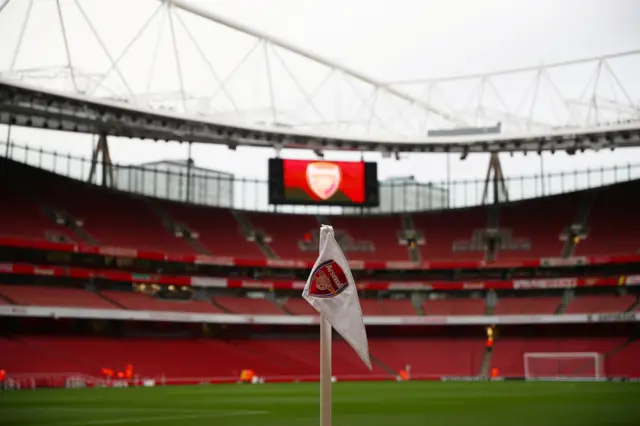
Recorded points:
102,150
496,179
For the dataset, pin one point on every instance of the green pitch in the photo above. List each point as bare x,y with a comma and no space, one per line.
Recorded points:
355,404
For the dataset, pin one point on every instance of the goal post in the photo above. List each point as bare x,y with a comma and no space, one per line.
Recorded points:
563,366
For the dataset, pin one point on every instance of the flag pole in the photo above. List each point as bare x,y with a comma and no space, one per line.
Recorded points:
325,371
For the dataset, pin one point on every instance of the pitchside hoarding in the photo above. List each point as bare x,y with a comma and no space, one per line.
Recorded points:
337,183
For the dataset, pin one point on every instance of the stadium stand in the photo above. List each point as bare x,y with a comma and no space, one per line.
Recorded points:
432,356
612,221
245,305
624,363
117,219
53,296
286,232
444,229
542,231
298,306
218,230
381,231
108,218
181,358
386,307
20,357
25,219
595,304
139,301
429,357
531,305
454,307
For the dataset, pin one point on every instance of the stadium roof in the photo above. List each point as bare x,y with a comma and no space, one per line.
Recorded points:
167,56
25,106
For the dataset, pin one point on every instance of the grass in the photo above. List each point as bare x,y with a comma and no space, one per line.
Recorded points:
357,404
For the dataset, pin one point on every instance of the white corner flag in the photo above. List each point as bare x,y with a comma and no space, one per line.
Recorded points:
331,290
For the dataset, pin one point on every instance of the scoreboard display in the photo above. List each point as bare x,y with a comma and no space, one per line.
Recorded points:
319,182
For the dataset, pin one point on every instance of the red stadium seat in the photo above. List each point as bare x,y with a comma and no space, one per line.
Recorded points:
299,306
53,296
286,231
245,305
115,218
454,307
380,230
432,357
139,301
218,230
594,304
531,305
613,227
442,229
387,307
24,218
541,230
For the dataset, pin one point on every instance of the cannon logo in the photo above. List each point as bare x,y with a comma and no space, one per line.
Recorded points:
328,280
324,178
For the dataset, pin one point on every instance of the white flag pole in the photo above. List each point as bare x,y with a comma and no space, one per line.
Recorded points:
325,371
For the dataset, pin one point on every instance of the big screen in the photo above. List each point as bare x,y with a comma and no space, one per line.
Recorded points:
323,182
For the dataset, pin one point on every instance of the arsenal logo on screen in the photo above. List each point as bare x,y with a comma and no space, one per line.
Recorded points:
323,178
329,280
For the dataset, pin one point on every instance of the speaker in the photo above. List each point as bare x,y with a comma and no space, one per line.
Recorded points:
371,186
276,181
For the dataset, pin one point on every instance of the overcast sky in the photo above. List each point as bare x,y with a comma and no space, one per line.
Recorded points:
389,40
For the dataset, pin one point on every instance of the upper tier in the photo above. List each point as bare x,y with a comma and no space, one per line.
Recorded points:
32,199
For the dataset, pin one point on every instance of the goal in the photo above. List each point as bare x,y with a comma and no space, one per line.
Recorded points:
563,366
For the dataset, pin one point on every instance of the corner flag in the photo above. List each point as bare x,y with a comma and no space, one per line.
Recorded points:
331,290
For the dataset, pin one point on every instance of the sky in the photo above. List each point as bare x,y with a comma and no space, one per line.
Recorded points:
389,40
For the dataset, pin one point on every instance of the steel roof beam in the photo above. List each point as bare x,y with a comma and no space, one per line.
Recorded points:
25,106
230,23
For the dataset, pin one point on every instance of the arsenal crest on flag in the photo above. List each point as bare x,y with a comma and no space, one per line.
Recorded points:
331,290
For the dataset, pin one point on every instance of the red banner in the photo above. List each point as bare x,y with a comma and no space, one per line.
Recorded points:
301,264
195,281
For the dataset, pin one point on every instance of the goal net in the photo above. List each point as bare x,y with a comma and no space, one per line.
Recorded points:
563,366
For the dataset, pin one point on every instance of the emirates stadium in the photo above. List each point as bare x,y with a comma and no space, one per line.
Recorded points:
166,167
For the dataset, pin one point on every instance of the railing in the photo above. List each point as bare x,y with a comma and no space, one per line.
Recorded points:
212,188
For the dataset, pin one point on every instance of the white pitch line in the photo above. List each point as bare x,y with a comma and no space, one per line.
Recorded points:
165,418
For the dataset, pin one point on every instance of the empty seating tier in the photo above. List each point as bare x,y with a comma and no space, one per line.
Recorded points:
380,231
286,232
53,296
594,304
297,306
531,305
144,302
454,307
431,357
387,307
613,227
442,229
218,231
115,218
245,305
542,231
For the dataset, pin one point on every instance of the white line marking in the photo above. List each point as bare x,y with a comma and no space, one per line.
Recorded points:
165,418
